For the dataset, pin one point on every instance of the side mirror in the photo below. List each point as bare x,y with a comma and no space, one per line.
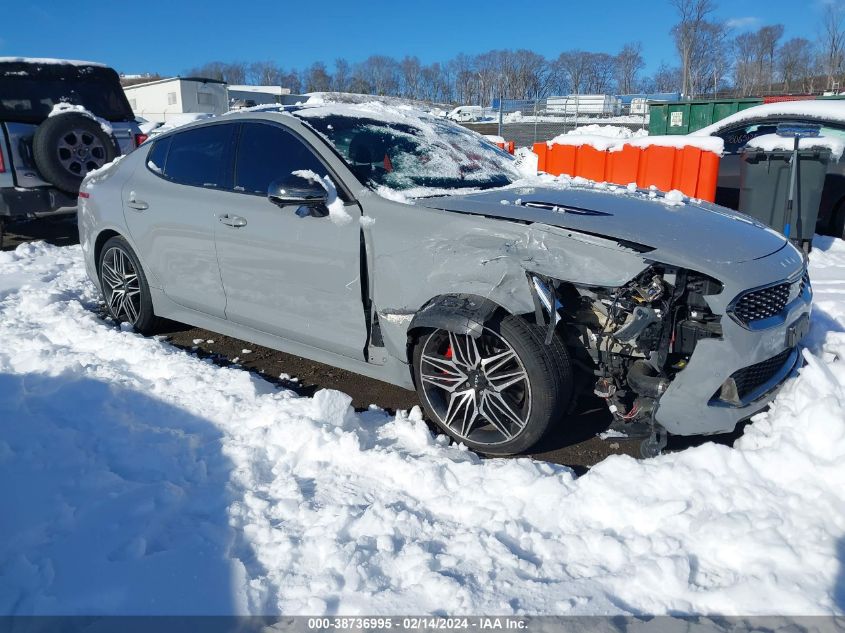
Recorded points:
298,191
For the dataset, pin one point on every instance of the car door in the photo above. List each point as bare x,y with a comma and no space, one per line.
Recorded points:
169,206
736,137
285,270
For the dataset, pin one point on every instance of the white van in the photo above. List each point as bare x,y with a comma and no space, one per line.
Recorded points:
464,114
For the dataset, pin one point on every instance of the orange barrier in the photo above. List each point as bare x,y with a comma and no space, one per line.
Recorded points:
622,165
508,146
689,169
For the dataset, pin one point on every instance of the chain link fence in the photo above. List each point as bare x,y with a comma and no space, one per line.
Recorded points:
529,121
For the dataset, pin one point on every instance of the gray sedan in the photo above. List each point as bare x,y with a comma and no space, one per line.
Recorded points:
408,249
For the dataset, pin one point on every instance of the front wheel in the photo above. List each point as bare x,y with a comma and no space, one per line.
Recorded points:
125,287
497,393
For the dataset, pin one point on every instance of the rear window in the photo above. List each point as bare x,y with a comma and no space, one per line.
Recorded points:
28,92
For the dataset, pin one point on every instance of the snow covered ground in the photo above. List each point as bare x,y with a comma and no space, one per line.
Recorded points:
138,479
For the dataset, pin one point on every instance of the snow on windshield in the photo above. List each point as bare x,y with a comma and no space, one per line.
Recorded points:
402,148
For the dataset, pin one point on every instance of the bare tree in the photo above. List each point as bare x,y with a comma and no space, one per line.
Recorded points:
341,76
795,64
629,62
666,79
317,78
692,15
768,38
265,73
411,71
832,43
575,66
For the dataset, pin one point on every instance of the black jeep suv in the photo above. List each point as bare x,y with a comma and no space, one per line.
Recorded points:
59,120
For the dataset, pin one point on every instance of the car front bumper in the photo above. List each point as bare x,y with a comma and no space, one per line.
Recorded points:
703,398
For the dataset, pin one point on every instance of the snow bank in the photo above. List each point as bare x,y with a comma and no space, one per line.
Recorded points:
822,109
146,480
774,142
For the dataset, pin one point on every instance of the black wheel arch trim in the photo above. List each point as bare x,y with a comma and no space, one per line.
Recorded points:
456,312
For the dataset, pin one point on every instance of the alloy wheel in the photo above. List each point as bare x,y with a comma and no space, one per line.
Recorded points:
477,387
81,152
121,286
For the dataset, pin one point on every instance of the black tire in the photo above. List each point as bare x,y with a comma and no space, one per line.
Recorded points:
141,317
549,385
68,146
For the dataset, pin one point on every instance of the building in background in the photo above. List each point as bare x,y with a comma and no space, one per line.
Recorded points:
256,95
159,100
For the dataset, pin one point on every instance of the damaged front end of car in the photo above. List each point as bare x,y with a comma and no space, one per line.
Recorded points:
633,339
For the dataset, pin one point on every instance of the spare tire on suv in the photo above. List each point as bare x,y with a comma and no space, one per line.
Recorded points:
68,146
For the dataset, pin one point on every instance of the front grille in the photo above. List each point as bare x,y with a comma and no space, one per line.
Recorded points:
750,378
768,302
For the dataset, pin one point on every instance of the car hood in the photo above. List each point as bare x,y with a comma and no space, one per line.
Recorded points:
682,232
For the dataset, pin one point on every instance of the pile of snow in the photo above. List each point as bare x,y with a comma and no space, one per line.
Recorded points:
610,131
614,142
821,109
713,144
775,142
64,108
171,485
601,143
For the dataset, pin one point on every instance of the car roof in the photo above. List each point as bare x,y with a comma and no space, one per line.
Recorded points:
832,110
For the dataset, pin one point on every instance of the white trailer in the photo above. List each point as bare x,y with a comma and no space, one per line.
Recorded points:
590,105
161,100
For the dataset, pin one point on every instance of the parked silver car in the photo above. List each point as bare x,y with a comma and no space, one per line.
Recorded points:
408,249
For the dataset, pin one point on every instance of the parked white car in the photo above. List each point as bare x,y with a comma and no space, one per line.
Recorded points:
465,114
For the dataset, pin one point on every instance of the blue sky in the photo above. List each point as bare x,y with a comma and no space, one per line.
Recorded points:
170,38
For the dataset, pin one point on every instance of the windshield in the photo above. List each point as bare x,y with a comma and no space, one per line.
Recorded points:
414,152
28,93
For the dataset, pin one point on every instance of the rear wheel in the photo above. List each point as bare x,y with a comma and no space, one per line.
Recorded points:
498,393
125,287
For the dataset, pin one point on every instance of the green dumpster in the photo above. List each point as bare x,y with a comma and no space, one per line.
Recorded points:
684,117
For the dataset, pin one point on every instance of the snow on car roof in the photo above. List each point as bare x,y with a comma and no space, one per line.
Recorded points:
48,61
822,109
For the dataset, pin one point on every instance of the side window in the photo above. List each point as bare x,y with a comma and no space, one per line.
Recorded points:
157,157
736,137
267,153
198,157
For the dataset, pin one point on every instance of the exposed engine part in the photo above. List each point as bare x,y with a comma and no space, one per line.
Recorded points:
634,337
643,379
651,291
605,388
653,445
639,320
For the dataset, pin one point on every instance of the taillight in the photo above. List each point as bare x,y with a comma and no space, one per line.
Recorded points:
84,194
140,138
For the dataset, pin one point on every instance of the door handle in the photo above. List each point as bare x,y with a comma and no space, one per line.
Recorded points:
232,220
